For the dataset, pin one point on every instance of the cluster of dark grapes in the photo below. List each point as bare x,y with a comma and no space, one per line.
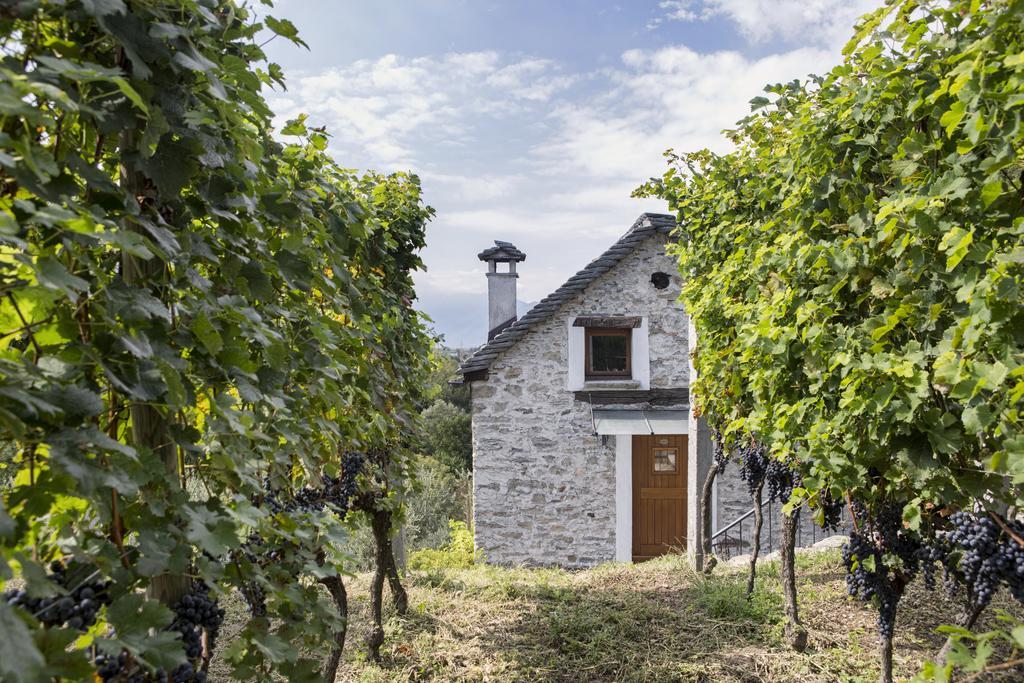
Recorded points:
77,608
268,498
255,598
832,510
981,556
256,552
759,468
124,669
780,480
753,465
868,577
721,455
352,463
931,556
867,584
336,492
110,666
195,613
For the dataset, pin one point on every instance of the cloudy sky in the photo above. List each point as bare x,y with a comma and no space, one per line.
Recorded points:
532,120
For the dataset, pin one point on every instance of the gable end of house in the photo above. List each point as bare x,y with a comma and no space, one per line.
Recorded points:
476,366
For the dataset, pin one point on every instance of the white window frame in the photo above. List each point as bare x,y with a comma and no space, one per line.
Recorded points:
640,359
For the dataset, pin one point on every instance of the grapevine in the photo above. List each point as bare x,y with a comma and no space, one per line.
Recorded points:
843,262
194,297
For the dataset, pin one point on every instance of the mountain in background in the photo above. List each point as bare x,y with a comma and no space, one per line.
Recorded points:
462,318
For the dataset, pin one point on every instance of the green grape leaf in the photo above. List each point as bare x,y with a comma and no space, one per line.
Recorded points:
20,660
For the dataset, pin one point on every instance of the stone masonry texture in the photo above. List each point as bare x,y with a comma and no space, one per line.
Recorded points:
544,484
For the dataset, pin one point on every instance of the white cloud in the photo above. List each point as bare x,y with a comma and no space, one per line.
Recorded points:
453,281
507,149
473,188
384,111
819,22
675,10
673,97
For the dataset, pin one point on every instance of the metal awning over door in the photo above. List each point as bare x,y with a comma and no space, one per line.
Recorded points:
625,421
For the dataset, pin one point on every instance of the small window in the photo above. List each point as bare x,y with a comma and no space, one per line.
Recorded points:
608,352
660,280
665,460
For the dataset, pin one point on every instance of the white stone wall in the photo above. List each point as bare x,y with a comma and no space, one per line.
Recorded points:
544,485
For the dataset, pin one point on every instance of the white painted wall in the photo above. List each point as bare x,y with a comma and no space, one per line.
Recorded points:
575,378
641,356
624,498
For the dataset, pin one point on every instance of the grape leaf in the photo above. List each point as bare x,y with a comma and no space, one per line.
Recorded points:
20,660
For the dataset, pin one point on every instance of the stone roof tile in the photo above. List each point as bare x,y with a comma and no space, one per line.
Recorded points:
646,225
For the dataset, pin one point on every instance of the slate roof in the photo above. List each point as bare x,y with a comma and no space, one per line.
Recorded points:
645,226
503,252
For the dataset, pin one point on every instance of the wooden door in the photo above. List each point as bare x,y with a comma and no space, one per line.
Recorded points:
659,495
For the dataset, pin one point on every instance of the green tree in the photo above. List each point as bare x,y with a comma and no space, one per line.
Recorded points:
447,435
445,382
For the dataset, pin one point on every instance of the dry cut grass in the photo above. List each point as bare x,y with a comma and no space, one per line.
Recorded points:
655,621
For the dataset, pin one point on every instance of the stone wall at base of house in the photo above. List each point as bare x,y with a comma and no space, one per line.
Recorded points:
544,484
734,500
546,496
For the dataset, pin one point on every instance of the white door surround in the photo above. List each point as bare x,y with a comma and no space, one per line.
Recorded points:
624,498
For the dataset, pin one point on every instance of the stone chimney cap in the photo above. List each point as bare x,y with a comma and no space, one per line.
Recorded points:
502,252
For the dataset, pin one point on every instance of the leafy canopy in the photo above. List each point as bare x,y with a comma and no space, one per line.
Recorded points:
854,267
191,312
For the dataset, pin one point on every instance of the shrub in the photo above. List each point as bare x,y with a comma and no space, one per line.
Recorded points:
441,495
458,553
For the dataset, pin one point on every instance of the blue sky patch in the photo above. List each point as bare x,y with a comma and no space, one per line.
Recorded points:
532,121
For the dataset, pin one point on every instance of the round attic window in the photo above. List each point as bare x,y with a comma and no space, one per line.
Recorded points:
660,280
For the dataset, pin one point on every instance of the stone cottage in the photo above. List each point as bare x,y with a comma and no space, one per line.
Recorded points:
585,449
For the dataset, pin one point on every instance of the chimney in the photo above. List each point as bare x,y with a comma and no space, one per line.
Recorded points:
501,286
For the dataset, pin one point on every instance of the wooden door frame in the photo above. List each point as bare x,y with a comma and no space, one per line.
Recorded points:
624,494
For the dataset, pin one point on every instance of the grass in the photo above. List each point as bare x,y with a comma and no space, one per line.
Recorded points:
653,621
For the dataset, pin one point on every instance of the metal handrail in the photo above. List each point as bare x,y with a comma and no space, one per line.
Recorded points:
738,520
730,539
